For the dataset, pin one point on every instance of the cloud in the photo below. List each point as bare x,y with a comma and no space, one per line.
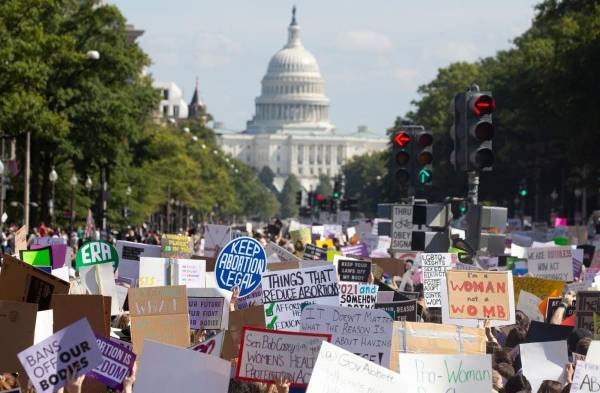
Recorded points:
405,75
455,51
214,50
366,41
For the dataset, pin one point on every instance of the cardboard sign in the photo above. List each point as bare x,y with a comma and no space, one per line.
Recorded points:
366,333
206,312
358,295
434,266
314,253
554,263
117,362
39,257
283,254
539,287
444,373
241,263
71,308
391,266
284,292
159,314
586,378
267,354
354,271
129,255
153,272
544,361
211,346
96,252
215,238
21,239
17,327
176,246
400,311
72,349
21,282
187,371
402,227
588,303
340,371
251,316
479,295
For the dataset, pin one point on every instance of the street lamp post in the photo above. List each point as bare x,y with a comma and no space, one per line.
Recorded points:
128,193
73,182
88,185
53,177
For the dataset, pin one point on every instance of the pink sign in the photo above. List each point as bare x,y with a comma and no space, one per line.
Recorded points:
560,222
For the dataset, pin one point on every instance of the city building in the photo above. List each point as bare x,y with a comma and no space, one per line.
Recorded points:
290,131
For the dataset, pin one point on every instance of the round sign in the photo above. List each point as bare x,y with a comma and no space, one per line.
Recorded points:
241,264
96,252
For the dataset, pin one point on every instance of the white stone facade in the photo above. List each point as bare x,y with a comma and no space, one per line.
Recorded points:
172,105
290,131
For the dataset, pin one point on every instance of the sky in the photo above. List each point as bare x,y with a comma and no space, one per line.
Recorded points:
373,54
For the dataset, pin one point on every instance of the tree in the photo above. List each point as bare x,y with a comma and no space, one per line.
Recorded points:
324,187
364,177
267,176
287,198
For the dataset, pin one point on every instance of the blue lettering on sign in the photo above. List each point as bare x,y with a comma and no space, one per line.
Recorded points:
241,263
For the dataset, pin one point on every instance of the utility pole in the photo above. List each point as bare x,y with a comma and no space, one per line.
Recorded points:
26,185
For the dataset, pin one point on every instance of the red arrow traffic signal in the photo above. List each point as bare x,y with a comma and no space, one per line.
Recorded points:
401,139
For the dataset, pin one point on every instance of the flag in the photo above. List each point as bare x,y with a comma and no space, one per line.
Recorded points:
90,225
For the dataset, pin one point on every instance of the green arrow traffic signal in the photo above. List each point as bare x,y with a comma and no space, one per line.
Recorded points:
424,176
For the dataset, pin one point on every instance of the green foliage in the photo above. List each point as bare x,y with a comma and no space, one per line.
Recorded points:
324,187
364,177
287,198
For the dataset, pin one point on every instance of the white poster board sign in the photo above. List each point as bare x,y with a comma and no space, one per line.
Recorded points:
555,263
586,378
528,304
366,333
543,361
434,266
446,373
153,272
402,227
189,272
215,238
340,371
129,256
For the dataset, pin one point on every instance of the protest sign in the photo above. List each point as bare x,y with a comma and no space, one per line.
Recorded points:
553,303
164,368
212,293
253,299
391,266
283,254
21,239
189,272
542,332
96,252
324,243
402,227
340,371
129,255
206,312
586,378
241,264
353,271
302,235
596,331
357,295
555,263
176,246
215,238
153,272
266,355
251,316
44,326
528,304
61,254
359,250
22,282
117,362
314,253
366,333
17,332
444,373
70,350
544,361
401,310
71,308
539,287
285,291
588,302
38,258
160,314
434,266
210,346
479,295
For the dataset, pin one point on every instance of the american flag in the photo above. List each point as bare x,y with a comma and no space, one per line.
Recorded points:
90,225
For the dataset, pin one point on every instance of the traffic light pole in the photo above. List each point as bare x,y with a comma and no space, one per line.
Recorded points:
474,187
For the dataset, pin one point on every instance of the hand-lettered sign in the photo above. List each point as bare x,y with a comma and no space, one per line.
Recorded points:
241,263
116,364
95,253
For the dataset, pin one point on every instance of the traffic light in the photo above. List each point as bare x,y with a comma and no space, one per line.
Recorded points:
299,198
424,148
480,106
337,189
523,188
401,158
458,133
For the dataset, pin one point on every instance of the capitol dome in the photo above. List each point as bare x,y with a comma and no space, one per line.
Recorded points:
293,92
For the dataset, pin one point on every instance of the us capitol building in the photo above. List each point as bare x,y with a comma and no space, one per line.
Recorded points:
291,132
